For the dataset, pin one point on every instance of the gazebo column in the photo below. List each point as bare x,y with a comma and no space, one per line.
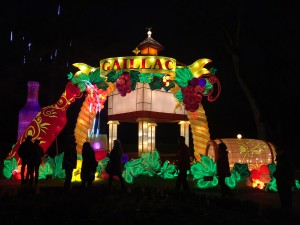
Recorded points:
184,130
151,136
146,135
113,132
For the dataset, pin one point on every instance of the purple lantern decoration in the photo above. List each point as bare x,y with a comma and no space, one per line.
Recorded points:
202,82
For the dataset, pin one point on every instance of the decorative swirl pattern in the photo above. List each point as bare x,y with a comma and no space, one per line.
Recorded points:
212,80
48,123
200,131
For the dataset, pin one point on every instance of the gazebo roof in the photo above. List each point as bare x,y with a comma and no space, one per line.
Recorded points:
150,42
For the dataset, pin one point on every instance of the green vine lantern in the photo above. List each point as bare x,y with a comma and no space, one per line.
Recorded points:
204,173
188,84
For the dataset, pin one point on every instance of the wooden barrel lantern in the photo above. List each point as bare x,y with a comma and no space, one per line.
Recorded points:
245,151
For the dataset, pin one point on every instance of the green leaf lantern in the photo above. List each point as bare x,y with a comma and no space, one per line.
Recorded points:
56,165
168,170
297,184
45,170
81,81
9,166
272,185
146,77
179,96
102,85
232,181
150,162
95,77
202,169
272,168
70,76
102,165
213,71
242,169
132,169
208,86
112,76
183,76
156,83
134,78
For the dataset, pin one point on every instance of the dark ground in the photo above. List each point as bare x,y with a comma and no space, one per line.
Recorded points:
142,204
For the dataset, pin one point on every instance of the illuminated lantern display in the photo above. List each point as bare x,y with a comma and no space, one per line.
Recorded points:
31,108
49,122
165,90
147,89
257,154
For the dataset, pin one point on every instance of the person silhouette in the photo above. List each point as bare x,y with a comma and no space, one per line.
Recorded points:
24,153
89,165
35,162
69,162
116,167
285,178
184,164
223,168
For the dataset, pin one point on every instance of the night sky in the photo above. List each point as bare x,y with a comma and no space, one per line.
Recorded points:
61,33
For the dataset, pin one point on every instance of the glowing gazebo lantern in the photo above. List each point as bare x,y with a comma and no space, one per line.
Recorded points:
145,106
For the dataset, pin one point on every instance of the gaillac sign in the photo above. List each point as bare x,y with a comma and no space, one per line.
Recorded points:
143,64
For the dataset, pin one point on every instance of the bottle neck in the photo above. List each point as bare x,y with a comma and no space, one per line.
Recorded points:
33,91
